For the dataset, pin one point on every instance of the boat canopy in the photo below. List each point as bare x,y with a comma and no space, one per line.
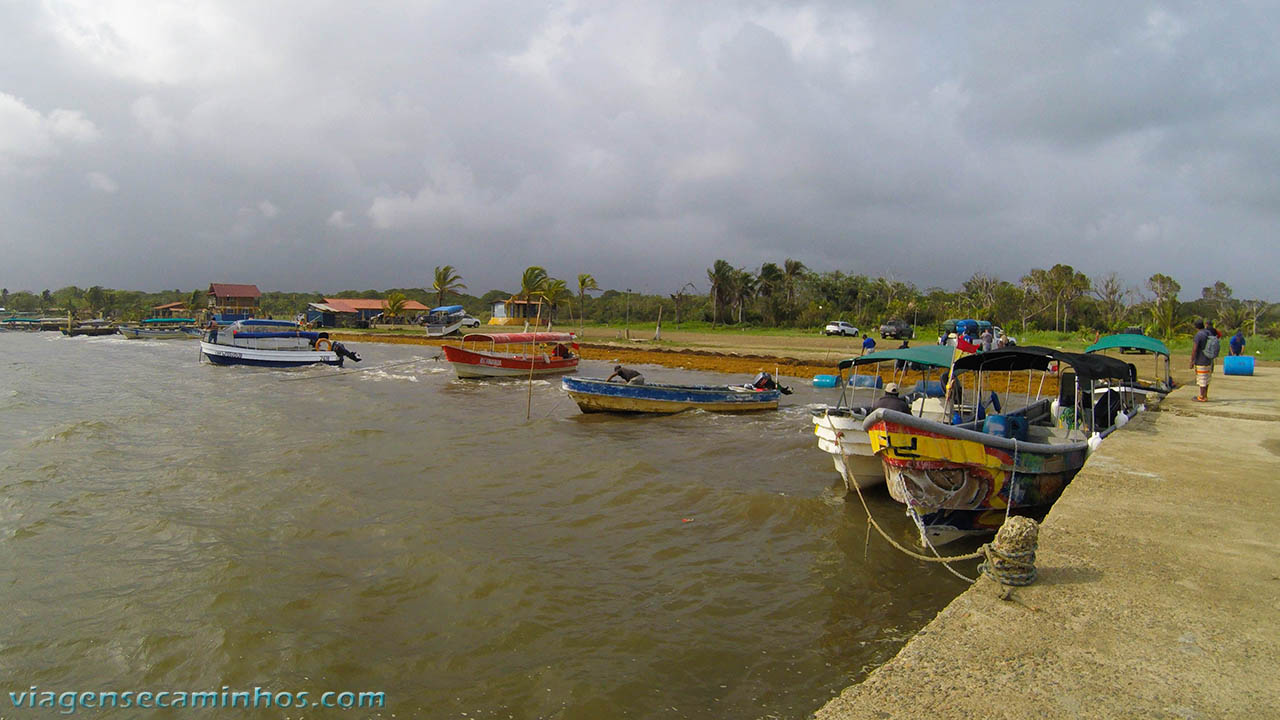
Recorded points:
1127,341
21,320
257,322
448,309
931,355
169,321
1033,357
521,337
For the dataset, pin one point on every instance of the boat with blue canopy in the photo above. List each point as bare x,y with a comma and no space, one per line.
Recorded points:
271,343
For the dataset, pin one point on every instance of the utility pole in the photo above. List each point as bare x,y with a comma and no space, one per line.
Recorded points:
627,332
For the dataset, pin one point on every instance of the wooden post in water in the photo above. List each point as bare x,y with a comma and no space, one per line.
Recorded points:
533,347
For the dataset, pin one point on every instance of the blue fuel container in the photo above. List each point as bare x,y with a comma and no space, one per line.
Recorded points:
826,381
1006,426
1237,365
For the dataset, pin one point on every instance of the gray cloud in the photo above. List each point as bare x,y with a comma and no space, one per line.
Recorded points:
304,145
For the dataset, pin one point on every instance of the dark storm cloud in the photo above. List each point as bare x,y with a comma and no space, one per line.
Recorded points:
314,145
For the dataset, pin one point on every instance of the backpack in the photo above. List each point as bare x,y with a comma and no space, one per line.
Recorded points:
1211,346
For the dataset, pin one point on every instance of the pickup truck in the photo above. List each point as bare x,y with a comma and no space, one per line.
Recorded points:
898,329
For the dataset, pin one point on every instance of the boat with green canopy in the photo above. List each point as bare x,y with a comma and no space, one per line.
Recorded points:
162,329
1151,387
839,427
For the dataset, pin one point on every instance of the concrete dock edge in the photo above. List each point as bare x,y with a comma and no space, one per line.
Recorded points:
1159,589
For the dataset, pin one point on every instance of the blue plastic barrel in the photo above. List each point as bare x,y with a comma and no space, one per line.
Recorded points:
867,381
929,388
826,381
1237,365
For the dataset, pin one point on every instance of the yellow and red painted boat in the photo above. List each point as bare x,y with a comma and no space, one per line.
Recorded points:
521,354
958,481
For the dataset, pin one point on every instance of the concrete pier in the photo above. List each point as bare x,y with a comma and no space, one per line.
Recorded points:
1159,589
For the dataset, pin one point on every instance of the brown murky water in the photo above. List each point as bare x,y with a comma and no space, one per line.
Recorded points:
170,525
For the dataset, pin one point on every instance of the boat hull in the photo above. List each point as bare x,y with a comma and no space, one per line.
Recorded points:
961,482
596,395
478,364
151,334
232,355
840,434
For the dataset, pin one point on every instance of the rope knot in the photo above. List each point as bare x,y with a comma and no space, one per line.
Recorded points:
1011,557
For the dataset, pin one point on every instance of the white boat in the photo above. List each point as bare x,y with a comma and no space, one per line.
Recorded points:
839,427
271,343
447,320
162,329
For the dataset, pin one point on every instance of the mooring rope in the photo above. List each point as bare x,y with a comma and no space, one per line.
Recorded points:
1009,560
844,459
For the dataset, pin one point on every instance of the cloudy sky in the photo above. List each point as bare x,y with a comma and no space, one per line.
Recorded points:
321,145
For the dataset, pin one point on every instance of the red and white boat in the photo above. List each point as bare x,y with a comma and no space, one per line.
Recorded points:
543,353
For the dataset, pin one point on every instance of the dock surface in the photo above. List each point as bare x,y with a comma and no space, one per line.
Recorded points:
1159,587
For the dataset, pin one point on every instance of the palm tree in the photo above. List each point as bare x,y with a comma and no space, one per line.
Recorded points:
721,276
792,271
393,305
533,282
555,292
447,281
744,289
770,284
585,282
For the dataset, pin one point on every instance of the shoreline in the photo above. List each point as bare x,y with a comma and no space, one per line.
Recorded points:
637,353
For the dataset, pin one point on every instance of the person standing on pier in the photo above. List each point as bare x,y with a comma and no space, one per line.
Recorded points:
1203,351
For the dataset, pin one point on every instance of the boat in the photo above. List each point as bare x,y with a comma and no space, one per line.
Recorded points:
961,480
446,320
90,327
598,395
522,354
839,427
1151,388
271,343
21,324
162,329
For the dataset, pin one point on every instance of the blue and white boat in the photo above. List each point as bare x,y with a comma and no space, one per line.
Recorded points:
599,395
445,320
271,343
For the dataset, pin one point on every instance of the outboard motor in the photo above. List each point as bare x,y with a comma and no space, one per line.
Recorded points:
342,352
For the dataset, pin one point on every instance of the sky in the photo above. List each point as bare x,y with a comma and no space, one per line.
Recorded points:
324,145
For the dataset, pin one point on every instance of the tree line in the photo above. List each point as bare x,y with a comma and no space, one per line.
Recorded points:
788,294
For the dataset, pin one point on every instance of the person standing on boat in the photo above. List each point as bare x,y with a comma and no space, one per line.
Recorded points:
891,401
1237,343
1200,362
629,376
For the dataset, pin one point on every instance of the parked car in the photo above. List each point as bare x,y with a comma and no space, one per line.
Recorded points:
897,329
840,327
469,321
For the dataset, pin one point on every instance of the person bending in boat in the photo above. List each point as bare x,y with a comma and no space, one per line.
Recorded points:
891,401
628,376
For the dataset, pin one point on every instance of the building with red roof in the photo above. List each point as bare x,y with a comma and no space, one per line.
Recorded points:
230,301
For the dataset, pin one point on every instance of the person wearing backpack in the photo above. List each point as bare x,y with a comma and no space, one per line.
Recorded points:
1204,348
